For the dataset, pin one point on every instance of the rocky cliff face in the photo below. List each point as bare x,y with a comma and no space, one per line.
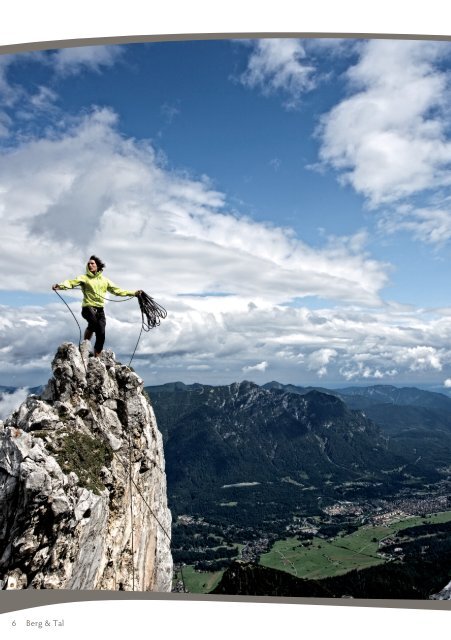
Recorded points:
82,483
444,594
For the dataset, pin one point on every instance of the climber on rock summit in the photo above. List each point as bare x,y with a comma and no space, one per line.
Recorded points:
95,285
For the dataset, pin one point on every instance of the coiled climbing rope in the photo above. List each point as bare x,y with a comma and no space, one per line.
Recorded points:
151,315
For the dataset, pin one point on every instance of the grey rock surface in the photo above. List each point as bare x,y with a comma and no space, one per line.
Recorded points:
83,501
444,594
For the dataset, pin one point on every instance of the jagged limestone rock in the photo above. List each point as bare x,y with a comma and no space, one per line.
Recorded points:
83,501
444,594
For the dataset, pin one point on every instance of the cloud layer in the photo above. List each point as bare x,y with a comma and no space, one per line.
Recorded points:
203,341
235,289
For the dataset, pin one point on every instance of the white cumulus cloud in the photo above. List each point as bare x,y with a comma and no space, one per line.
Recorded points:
74,60
431,225
279,65
9,402
261,366
419,358
318,360
388,137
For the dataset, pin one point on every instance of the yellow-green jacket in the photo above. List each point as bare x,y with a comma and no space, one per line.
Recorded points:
94,286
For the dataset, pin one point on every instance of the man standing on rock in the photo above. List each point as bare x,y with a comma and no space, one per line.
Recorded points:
94,286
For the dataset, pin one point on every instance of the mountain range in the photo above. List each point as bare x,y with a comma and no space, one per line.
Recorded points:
249,454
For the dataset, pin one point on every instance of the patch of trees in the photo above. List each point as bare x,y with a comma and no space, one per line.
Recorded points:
332,530
193,557
426,529
305,536
215,565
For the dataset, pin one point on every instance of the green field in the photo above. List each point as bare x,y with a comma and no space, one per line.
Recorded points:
199,582
326,558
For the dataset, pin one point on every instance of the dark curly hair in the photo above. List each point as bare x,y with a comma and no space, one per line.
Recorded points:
100,265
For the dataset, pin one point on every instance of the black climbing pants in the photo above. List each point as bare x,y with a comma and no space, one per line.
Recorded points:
96,323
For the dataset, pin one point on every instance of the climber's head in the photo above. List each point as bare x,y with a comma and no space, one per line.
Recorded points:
95,264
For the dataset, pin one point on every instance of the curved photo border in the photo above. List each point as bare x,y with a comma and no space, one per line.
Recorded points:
31,598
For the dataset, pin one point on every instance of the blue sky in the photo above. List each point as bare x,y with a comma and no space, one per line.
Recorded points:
288,202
